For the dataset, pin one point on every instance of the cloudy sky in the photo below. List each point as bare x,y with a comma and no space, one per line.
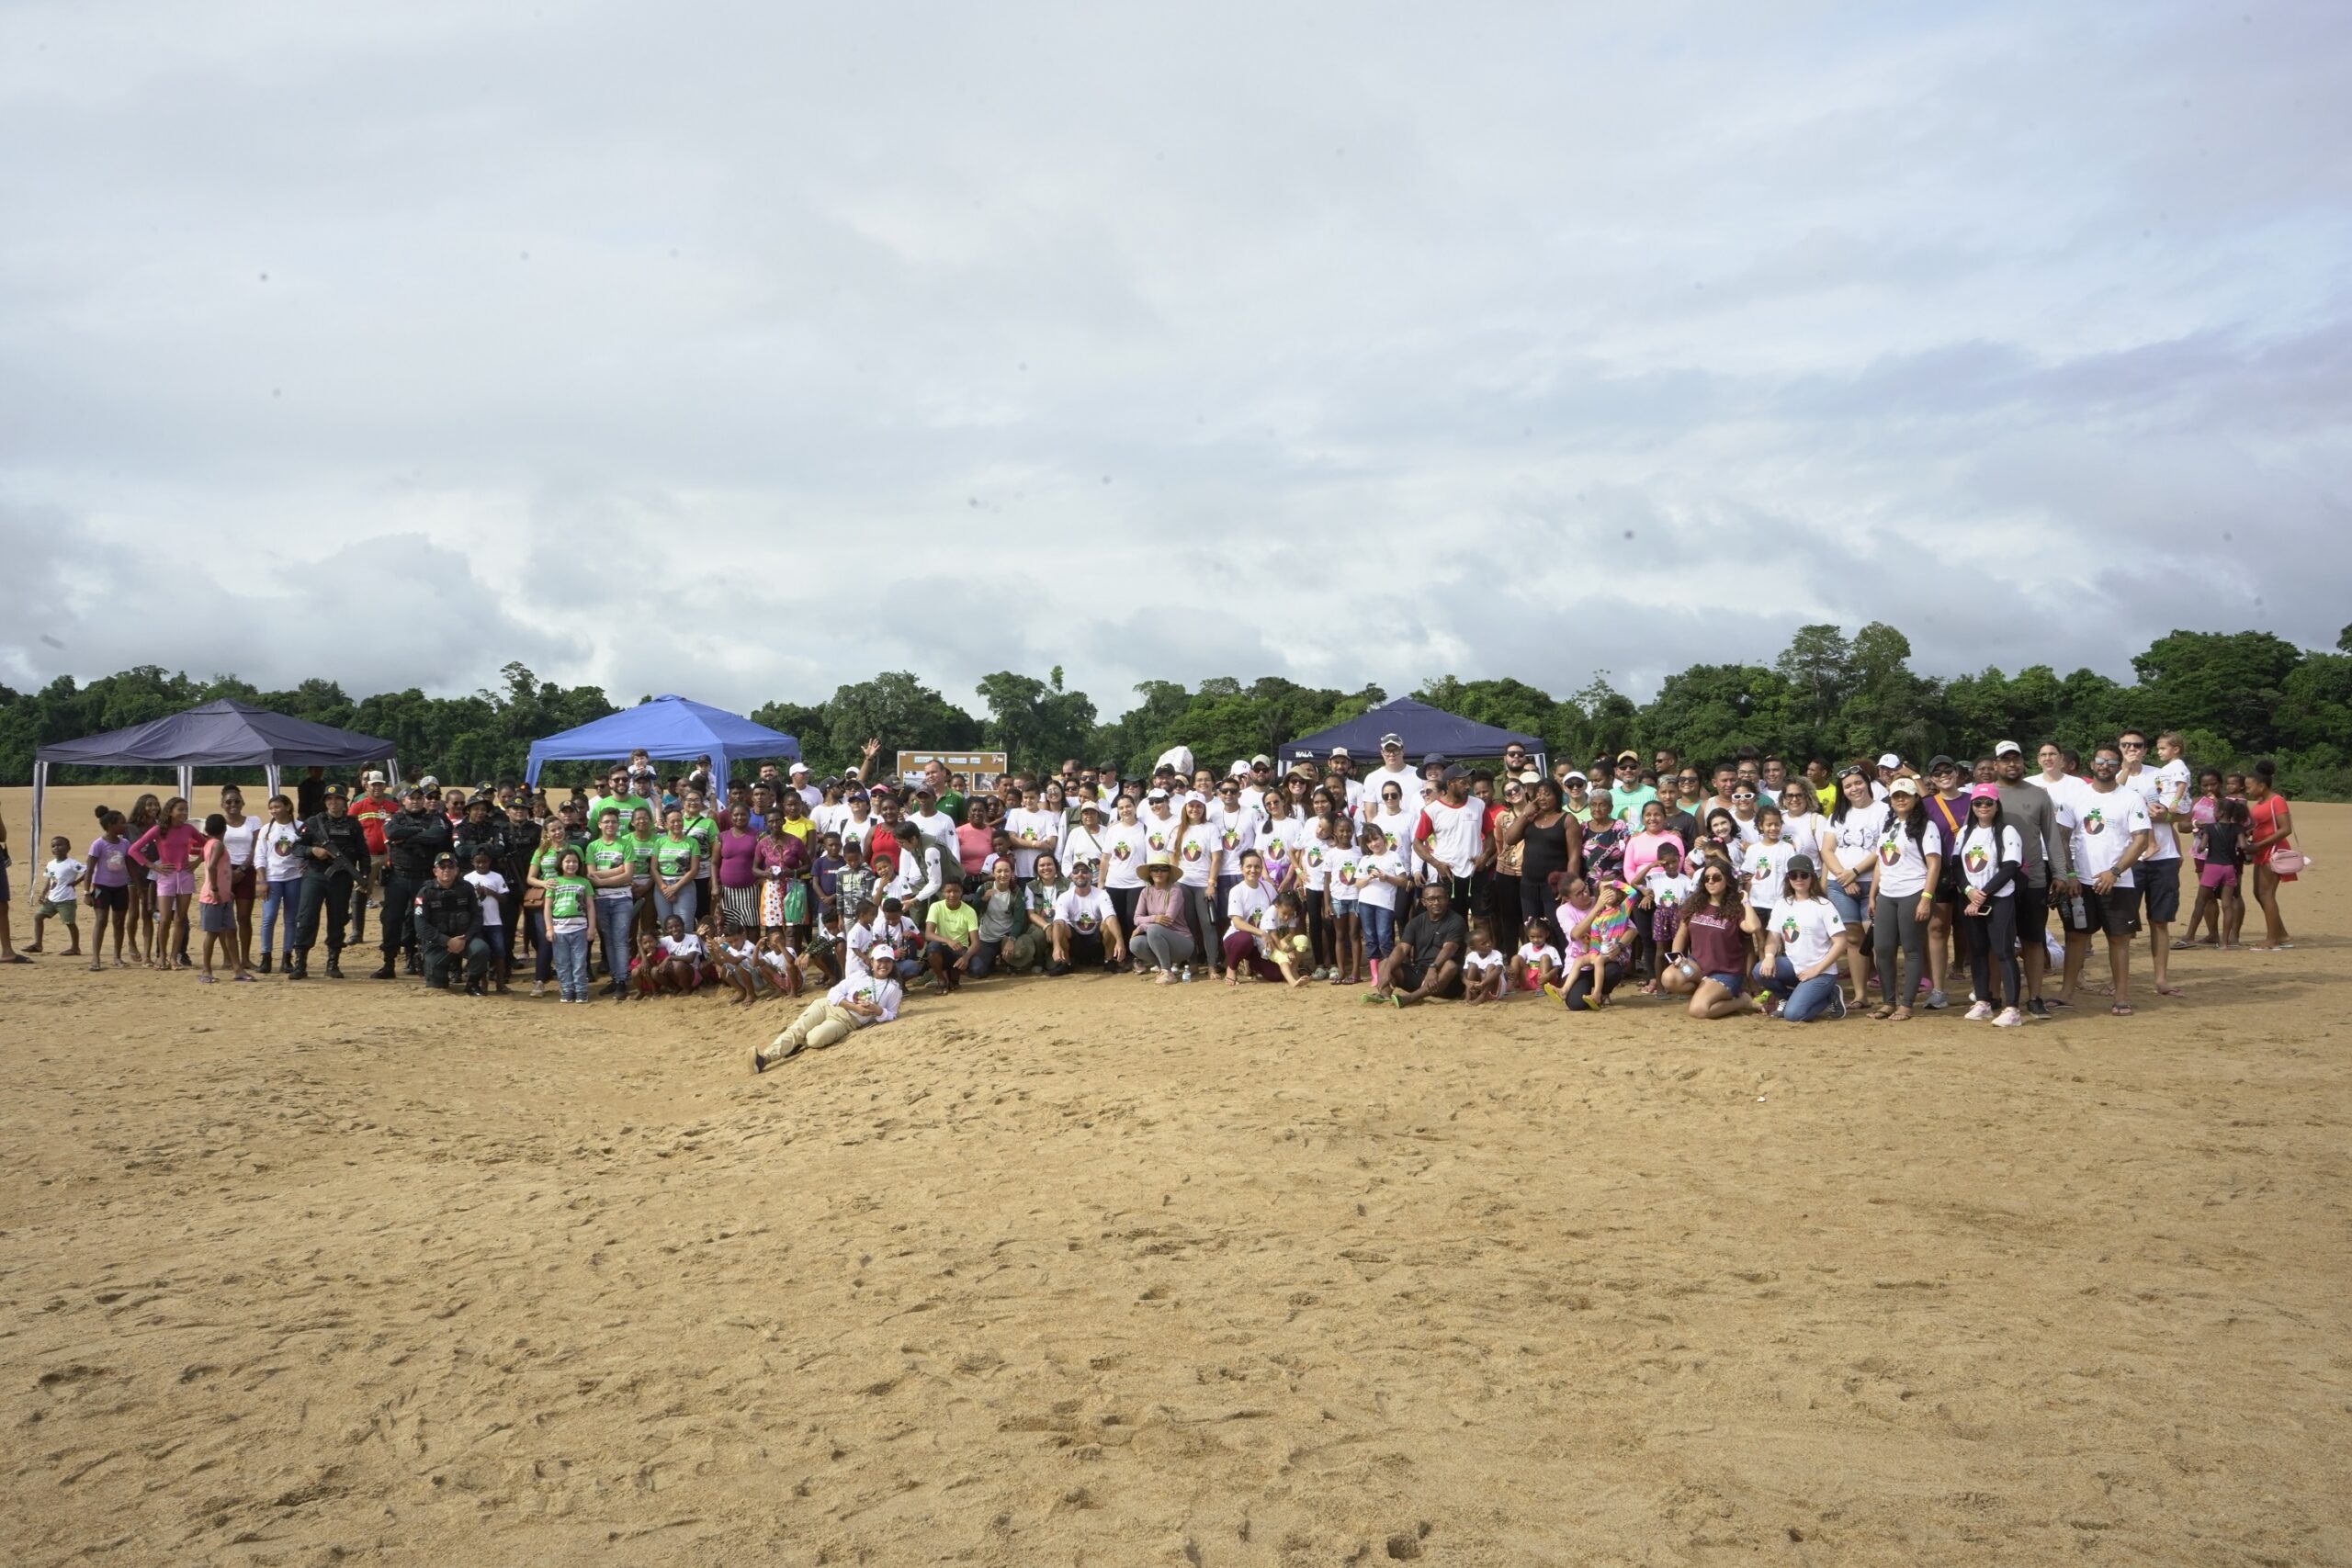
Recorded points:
741,349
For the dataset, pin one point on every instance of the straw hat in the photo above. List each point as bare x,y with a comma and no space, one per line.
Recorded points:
1163,861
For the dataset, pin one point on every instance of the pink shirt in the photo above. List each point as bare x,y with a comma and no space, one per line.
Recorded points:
1641,852
735,852
167,850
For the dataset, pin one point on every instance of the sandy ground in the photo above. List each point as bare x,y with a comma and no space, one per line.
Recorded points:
1089,1271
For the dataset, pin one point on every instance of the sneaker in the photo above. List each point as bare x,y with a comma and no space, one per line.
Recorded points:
2010,1019
1837,1003
538,988
2038,1008
1186,977
1978,1013
1936,1002
1058,967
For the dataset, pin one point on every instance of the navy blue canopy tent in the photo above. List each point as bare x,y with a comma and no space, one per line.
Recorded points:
668,727
223,734
1422,728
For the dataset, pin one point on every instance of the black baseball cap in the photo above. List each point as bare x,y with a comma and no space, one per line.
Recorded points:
444,858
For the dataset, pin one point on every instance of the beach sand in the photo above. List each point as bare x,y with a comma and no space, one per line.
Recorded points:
1090,1271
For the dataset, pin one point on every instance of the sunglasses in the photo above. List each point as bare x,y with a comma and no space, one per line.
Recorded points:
2134,745
1743,795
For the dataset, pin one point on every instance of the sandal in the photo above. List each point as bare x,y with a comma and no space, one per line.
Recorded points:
1882,1014
1900,1015
2122,1010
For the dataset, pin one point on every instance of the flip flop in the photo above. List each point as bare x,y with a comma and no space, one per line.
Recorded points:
1372,998
15,958
2121,1010
2168,990
204,979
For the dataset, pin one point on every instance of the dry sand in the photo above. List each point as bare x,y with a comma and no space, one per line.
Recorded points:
1090,1271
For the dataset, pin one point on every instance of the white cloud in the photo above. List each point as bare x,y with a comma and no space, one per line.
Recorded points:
760,349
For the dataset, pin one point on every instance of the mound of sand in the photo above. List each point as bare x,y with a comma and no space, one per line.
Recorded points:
1093,1271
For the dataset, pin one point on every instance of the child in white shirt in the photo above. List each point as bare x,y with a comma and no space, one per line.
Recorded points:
59,892
1485,969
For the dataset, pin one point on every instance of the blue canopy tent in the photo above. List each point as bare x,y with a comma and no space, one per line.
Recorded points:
1422,728
668,727
223,734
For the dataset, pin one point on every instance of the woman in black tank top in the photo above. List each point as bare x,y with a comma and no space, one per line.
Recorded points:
1551,843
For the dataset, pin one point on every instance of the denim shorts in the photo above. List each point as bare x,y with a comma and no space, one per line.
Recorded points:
1853,909
1734,984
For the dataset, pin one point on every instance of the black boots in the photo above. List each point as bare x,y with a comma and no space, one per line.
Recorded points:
334,966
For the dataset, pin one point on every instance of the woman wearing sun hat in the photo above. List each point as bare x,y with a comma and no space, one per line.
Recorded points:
1163,935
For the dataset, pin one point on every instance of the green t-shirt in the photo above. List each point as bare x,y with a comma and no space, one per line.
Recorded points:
953,805
627,805
954,926
544,862
1627,804
670,855
641,853
703,831
606,854
567,899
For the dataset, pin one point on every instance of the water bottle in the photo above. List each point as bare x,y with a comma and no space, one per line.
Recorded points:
2078,913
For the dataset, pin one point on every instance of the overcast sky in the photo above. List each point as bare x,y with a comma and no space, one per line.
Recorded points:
741,350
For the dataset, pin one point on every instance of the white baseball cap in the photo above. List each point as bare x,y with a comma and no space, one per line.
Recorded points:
797,768
2009,749
1240,770
1890,761
372,777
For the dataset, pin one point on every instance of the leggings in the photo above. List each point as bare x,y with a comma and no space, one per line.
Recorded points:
1992,937
1503,906
1319,930
1164,947
1200,915
1901,936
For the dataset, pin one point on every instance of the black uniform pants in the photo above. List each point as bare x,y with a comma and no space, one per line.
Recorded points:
328,890
437,958
397,912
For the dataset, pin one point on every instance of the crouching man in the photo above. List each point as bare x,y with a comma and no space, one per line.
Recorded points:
450,928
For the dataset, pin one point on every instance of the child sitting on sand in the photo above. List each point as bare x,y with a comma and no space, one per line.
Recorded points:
1486,970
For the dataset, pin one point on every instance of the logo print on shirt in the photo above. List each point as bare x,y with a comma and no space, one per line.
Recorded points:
2094,821
1976,859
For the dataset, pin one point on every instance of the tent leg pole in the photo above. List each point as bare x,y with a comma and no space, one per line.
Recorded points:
40,787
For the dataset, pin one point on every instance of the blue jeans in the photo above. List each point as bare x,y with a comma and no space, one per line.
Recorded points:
1379,929
614,917
285,896
1801,1000
685,906
571,964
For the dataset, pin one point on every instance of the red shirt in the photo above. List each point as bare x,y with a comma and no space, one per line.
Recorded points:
371,815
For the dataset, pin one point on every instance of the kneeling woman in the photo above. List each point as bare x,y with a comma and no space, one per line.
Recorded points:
1710,946
1804,937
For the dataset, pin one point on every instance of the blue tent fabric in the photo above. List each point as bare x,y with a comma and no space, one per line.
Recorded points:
1423,730
222,734
668,727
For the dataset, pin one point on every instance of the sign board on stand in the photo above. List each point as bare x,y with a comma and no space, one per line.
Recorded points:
980,768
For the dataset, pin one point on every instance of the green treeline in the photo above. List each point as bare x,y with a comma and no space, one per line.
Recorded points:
2234,697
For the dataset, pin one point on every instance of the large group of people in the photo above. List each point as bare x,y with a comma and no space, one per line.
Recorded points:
1739,888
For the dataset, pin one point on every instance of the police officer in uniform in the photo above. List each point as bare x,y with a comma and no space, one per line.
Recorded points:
448,926
414,837
333,849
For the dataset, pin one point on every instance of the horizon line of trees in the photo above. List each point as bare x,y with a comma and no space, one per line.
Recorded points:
2234,697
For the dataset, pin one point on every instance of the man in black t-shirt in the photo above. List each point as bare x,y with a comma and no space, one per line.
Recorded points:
1427,959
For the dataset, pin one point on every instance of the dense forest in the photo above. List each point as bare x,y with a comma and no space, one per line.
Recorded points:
2234,696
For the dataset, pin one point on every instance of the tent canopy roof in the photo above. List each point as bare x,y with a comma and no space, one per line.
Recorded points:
1422,728
669,726
226,733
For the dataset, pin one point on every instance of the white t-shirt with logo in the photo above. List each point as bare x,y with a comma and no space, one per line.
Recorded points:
1034,832
1122,855
1248,903
1193,854
282,851
1767,867
1903,860
1369,889
1083,913
1806,928
1234,833
1342,873
1856,837
1277,845
1981,855
2103,825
